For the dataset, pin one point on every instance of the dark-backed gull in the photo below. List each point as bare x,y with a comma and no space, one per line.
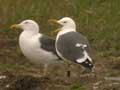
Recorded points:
71,45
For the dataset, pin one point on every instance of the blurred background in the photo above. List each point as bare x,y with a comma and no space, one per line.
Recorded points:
98,20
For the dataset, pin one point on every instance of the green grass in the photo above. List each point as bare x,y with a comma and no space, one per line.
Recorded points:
77,86
8,66
97,19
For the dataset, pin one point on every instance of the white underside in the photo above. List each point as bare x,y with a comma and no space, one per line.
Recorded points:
30,46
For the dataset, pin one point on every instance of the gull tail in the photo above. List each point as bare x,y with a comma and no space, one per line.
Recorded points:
87,64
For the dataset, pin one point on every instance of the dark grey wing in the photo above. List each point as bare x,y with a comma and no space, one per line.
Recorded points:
48,44
66,45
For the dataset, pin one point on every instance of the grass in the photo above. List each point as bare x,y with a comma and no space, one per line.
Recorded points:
98,19
77,86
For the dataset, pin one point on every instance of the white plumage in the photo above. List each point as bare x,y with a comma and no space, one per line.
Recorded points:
38,48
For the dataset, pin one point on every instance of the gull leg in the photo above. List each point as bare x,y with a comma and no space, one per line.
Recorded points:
68,70
68,66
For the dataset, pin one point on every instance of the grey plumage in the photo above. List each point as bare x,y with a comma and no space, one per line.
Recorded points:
48,44
66,45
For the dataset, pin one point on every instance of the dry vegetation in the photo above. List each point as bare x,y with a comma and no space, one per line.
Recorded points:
99,20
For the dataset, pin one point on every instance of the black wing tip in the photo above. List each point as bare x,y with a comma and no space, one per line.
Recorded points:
88,65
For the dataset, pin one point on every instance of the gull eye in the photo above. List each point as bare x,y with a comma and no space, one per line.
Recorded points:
65,22
26,22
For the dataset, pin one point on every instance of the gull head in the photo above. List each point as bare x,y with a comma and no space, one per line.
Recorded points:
26,25
65,22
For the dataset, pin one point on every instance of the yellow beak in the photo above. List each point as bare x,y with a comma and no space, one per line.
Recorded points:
54,21
15,26
55,31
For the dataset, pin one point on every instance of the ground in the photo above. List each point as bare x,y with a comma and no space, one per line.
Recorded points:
16,73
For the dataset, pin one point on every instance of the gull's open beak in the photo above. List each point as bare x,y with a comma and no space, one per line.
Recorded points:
54,21
15,26
55,31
